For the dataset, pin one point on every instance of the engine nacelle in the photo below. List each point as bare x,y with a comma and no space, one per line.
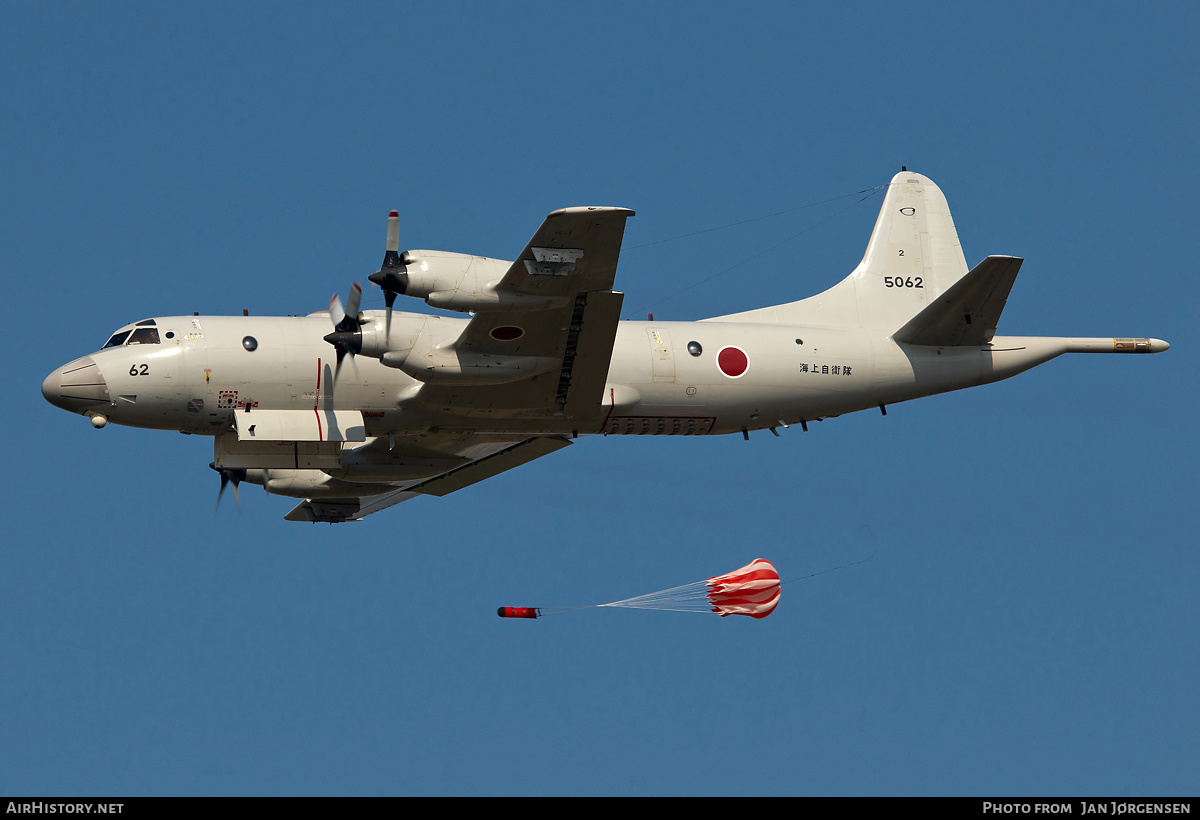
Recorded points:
372,337
441,367
317,484
459,281
424,347
443,272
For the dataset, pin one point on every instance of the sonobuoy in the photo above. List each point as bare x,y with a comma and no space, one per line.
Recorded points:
517,612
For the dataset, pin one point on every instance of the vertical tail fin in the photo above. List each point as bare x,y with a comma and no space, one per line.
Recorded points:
913,257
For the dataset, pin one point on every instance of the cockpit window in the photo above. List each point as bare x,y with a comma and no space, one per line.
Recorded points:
117,339
145,322
144,336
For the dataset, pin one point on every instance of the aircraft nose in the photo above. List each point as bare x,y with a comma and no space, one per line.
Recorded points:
76,387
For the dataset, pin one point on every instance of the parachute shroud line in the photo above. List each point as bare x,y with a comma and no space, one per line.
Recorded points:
752,590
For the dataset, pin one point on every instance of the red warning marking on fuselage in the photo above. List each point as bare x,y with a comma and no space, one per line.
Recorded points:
733,361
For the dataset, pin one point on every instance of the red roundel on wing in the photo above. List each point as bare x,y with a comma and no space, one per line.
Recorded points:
506,333
732,361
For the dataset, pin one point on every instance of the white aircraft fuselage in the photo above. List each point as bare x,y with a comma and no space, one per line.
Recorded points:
424,404
195,381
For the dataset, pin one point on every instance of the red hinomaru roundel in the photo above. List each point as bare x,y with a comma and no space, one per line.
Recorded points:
733,361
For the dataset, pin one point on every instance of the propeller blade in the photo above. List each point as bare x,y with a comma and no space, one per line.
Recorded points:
393,233
389,299
341,354
391,275
229,476
353,302
336,314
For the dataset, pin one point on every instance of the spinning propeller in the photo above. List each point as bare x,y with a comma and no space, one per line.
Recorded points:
234,476
392,275
345,326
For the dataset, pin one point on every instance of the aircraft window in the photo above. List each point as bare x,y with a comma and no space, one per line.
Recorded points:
145,322
694,348
250,343
144,336
117,339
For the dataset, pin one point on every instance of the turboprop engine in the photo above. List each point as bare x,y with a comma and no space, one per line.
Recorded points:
451,281
457,281
427,347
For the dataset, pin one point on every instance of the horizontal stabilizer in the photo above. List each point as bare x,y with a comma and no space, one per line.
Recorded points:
967,313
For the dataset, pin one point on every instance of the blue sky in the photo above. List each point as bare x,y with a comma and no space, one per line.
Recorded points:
1028,623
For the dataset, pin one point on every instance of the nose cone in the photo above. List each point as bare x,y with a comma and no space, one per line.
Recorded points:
76,387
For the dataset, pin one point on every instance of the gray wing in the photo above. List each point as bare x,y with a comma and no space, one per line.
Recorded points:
557,303
493,459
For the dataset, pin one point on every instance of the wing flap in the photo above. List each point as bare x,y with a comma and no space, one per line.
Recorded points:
492,462
585,368
520,453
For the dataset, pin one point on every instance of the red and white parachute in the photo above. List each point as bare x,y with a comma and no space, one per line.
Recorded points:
752,590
